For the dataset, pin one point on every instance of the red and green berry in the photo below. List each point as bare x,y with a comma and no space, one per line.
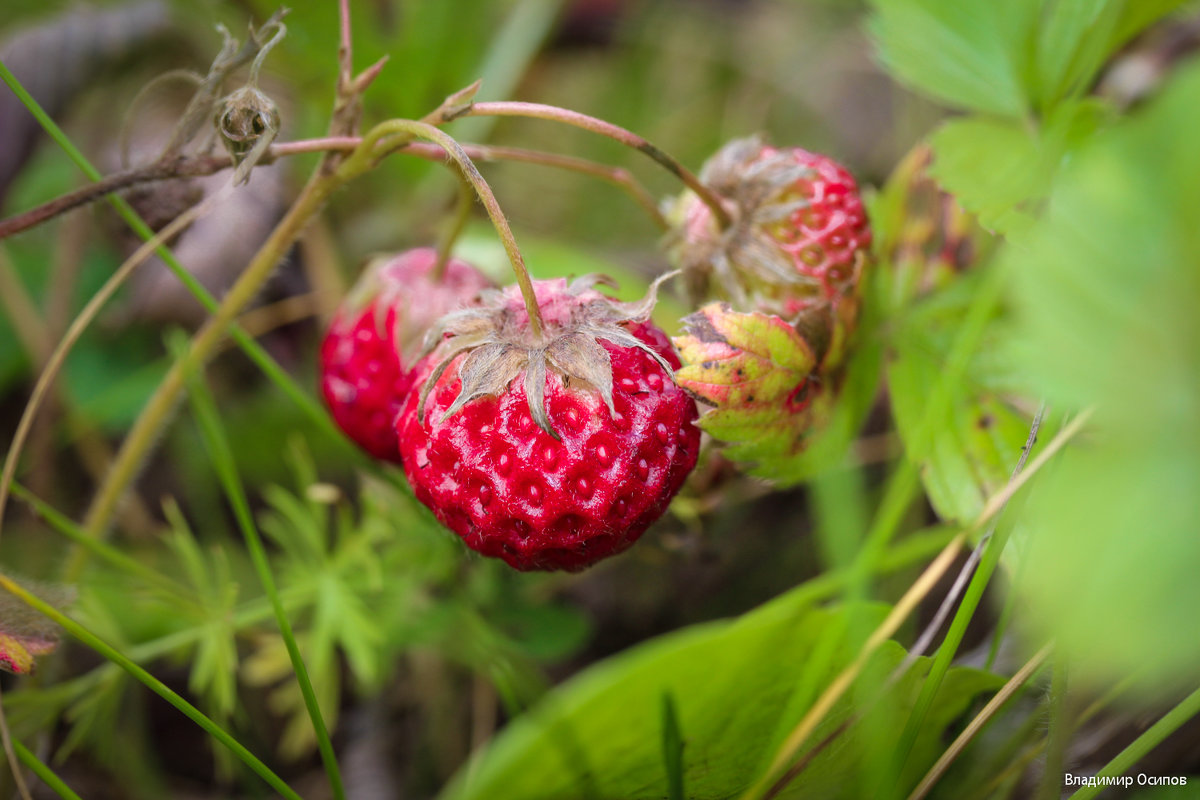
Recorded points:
798,233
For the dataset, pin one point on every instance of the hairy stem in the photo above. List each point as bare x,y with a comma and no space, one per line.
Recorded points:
163,169
423,130
614,132
202,165
618,176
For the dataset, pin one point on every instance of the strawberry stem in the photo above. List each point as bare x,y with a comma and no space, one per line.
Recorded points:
614,132
618,176
422,130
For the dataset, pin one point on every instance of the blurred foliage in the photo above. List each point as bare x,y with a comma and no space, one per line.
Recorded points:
1107,286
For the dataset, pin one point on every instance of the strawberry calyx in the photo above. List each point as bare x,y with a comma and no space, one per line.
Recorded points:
797,238
500,344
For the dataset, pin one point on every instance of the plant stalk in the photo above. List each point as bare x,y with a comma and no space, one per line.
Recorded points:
423,130
153,418
614,132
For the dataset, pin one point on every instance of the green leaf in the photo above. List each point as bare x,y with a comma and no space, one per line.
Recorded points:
970,54
1007,58
734,684
999,168
975,448
1106,288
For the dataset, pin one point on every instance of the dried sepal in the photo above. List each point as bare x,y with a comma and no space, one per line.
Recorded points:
581,357
499,346
490,365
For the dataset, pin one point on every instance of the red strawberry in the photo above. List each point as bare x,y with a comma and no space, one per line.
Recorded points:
374,339
798,237
555,452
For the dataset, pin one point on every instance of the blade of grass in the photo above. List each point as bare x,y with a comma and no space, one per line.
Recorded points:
976,725
898,495
10,755
217,444
971,600
102,550
901,610
1061,727
85,636
1139,747
44,773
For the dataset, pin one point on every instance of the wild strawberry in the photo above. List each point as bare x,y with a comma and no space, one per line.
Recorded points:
374,339
798,236
550,451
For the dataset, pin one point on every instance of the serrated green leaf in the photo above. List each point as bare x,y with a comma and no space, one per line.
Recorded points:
290,522
1007,59
1075,40
1107,288
1001,168
600,735
970,53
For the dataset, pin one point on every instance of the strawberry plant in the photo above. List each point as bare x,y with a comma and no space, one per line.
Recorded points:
360,442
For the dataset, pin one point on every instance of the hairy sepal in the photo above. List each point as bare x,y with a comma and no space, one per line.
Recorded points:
497,346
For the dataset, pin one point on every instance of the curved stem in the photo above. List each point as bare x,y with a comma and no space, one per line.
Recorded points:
618,176
202,165
423,130
614,132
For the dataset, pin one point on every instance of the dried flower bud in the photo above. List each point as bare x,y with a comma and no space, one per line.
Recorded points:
247,121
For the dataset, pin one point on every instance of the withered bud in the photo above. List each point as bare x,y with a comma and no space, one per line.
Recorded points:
247,121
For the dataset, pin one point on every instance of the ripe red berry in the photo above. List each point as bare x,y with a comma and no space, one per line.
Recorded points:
556,452
367,355
798,236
